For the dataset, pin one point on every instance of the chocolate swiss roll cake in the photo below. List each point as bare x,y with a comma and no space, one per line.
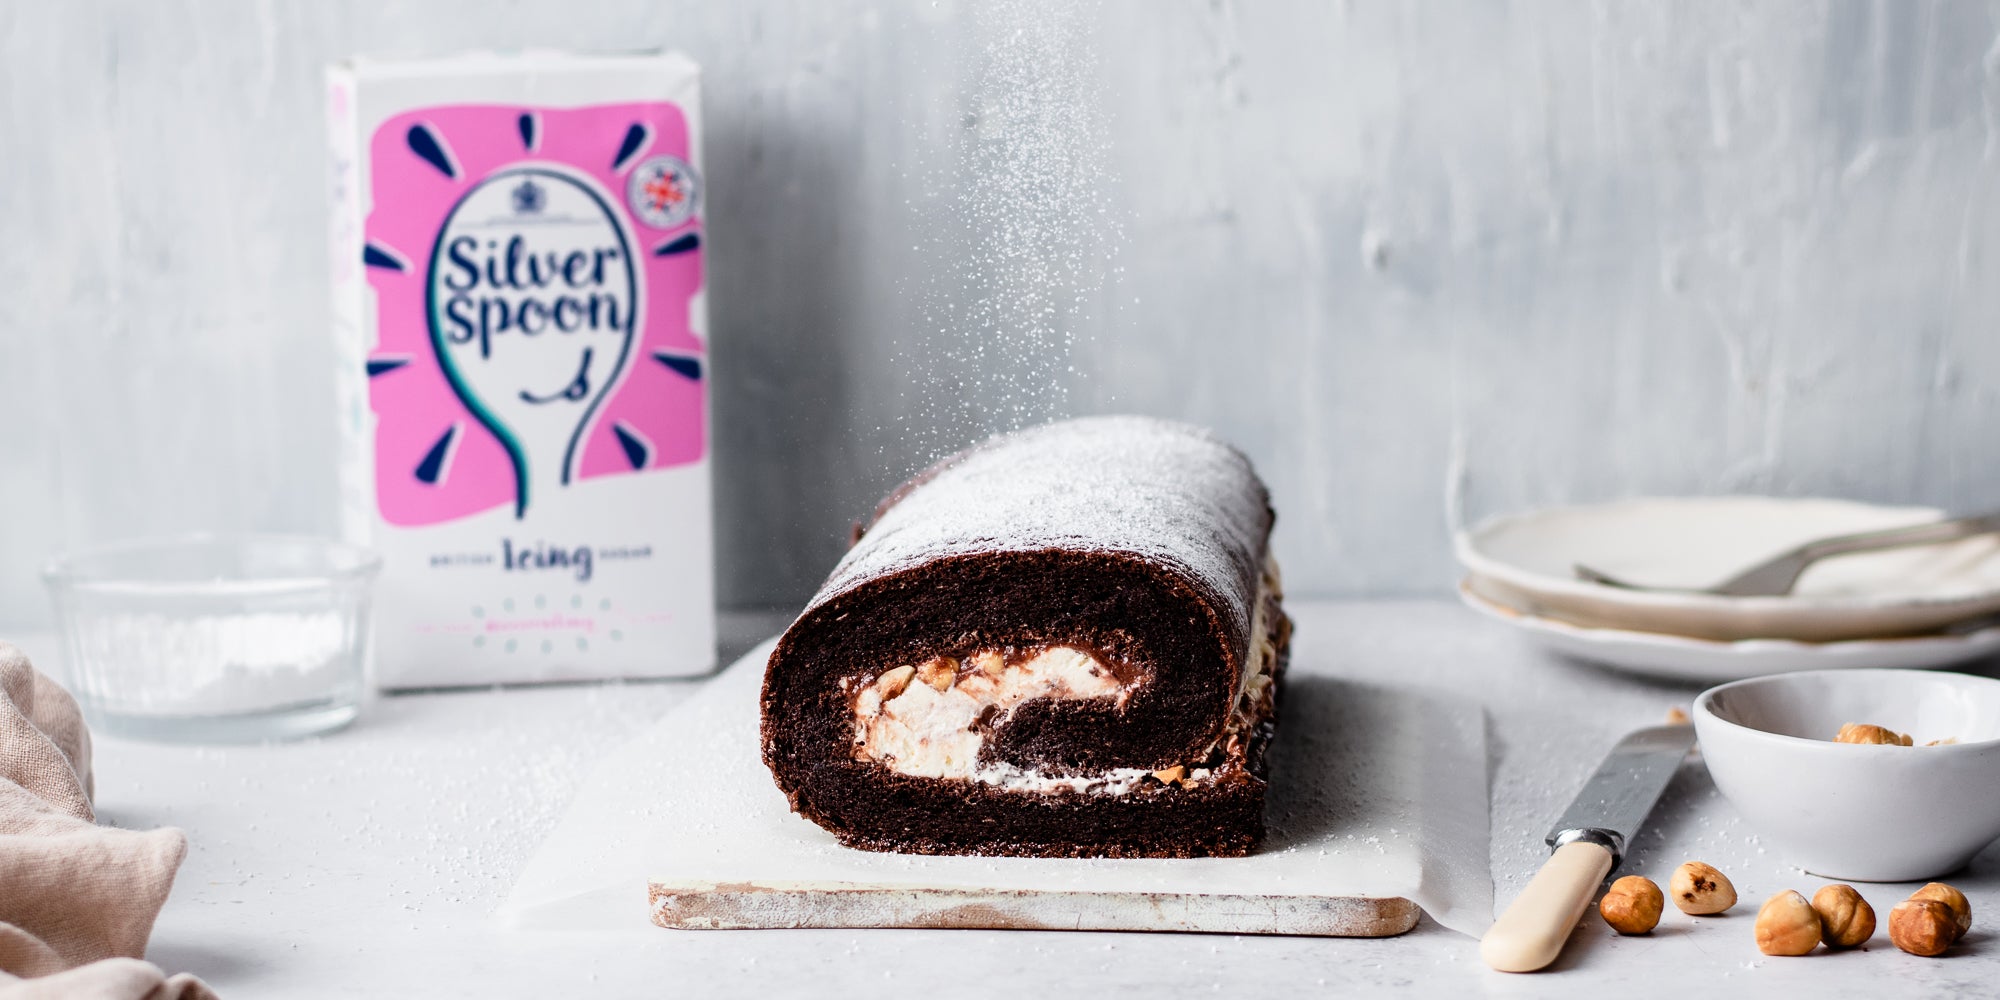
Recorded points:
1065,642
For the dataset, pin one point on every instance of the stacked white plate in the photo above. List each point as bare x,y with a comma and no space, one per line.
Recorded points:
1917,607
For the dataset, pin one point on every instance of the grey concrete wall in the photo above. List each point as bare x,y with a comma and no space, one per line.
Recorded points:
1423,260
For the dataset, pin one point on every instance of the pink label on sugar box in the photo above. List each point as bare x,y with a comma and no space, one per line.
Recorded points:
534,271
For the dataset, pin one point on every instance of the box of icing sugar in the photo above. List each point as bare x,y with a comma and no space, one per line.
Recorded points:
518,249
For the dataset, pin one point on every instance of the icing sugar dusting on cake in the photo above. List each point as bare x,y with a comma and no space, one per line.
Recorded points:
1090,484
1028,240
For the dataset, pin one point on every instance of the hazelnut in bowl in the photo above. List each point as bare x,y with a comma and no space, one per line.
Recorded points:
1870,807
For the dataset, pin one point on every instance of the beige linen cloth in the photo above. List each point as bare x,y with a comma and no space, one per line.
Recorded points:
77,900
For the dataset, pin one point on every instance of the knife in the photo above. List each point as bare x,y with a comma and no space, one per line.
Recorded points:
1587,843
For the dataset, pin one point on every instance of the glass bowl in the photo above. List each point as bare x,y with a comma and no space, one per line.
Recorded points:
215,638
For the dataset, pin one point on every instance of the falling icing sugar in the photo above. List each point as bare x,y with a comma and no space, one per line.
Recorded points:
1027,239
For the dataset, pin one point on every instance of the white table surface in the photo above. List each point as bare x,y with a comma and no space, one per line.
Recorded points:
366,863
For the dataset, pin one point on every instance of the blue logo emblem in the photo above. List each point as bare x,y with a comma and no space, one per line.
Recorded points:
663,192
528,198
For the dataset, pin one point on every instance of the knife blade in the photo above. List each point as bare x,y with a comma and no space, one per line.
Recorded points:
1586,843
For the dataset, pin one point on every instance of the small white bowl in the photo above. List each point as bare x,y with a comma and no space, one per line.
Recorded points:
1857,812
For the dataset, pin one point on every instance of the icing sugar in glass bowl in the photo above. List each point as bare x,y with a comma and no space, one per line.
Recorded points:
215,638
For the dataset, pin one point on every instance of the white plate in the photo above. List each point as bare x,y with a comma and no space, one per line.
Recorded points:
1525,561
1709,661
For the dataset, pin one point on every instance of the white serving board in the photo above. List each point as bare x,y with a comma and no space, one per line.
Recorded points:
1378,807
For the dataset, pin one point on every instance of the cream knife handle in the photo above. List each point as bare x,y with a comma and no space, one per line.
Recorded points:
1532,931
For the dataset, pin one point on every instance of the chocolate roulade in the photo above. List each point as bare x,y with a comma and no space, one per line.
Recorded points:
1066,641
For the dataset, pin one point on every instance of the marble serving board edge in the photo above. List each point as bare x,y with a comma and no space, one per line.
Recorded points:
683,904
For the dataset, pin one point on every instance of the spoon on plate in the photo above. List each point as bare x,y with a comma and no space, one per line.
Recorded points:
1776,576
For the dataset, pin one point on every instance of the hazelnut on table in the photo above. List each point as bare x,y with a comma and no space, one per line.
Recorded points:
1922,927
1787,925
1845,919
1632,905
1699,889
1961,908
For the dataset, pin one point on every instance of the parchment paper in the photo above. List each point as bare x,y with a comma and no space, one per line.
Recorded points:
1375,791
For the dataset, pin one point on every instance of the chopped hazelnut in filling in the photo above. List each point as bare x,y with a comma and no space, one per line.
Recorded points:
930,720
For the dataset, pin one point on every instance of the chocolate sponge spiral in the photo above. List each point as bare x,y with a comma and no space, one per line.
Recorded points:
1065,641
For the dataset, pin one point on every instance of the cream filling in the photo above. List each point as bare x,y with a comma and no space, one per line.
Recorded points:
930,720
1257,672
934,726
